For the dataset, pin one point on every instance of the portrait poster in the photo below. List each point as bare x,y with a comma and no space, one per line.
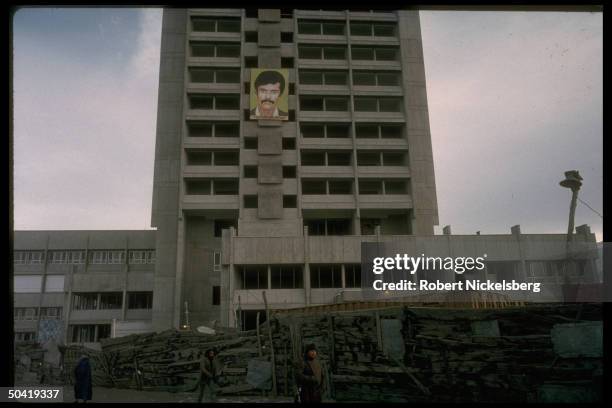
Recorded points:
269,94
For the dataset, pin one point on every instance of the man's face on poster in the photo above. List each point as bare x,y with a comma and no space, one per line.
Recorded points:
267,98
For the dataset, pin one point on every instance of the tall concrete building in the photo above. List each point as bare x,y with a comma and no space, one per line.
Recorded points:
355,154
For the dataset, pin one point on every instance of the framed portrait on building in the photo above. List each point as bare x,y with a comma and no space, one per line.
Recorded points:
269,94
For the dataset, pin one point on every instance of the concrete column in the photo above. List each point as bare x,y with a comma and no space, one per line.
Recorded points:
269,275
306,276
125,278
522,272
43,285
228,302
178,285
343,269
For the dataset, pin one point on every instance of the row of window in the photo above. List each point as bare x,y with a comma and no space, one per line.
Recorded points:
306,77
78,257
306,27
366,187
111,300
307,130
197,157
31,313
25,336
309,186
88,333
307,103
361,78
201,49
343,158
357,28
291,276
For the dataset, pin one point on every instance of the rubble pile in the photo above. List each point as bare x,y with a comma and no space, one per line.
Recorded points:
518,354
170,360
28,362
512,355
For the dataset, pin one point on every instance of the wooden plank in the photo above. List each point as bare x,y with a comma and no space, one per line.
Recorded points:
258,339
424,389
274,390
378,332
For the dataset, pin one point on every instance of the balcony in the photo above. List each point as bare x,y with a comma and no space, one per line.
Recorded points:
322,63
324,90
212,114
277,298
210,202
213,36
327,143
383,171
379,116
200,87
324,116
320,14
94,315
211,171
371,64
211,142
321,39
377,144
371,17
327,171
331,201
386,201
362,90
374,40
212,62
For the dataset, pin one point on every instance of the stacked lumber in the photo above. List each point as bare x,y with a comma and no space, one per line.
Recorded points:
459,365
170,360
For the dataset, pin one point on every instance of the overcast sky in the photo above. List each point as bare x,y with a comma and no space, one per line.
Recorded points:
515,99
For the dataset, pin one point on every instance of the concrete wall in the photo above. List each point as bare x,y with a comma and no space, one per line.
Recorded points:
199,276
167,181
417,119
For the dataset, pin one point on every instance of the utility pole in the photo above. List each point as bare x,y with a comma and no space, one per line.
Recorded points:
573,181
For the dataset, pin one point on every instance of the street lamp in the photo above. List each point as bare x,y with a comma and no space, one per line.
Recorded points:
573,181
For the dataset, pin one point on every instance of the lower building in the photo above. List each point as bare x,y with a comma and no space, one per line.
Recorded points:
82,286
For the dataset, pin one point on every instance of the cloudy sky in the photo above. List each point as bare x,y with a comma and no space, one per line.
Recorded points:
515,99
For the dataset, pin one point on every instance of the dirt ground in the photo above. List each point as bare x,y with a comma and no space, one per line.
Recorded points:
117,395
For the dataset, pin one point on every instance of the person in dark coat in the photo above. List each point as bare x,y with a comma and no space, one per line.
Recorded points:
310,376
210,370
82,383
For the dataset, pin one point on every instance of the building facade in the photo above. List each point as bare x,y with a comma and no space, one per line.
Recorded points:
81,286
354,154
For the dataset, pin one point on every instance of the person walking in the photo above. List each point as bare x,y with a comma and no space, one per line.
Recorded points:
210,370
82,383
310,376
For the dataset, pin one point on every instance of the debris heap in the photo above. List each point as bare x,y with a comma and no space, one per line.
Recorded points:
536,353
